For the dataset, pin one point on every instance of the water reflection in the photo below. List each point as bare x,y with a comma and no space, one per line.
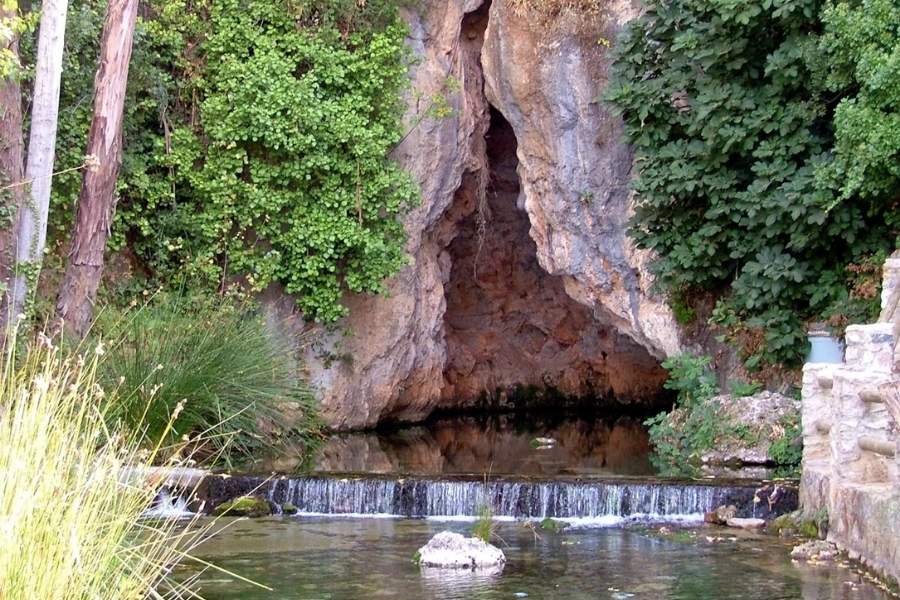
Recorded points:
499,446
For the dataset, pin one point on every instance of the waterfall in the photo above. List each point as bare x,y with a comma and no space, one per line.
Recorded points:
168,505
418,497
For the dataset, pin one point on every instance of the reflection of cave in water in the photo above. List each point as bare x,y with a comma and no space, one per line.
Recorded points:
498,446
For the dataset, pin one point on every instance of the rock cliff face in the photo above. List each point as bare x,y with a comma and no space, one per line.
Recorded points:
521,273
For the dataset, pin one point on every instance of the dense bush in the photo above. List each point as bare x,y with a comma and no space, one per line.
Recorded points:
726,107
257,137
230,383
862,48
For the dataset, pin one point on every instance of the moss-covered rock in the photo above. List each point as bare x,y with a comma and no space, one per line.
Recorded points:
796,524
289,509
552,525
244,506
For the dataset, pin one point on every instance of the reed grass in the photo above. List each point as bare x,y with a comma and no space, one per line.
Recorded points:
234,384
71,525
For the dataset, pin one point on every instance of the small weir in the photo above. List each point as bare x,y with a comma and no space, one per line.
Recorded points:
520,499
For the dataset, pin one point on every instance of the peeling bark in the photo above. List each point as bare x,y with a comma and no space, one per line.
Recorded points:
97,200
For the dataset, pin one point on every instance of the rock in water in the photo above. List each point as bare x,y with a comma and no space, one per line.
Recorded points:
448,550
746,523
721,515
815,551
244,506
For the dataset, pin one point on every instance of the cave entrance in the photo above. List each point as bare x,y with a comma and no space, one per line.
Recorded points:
514,337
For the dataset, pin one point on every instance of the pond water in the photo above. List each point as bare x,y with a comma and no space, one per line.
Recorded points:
494,445
350,559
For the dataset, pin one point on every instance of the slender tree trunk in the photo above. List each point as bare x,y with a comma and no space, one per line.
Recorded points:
32,225
12,164
98,187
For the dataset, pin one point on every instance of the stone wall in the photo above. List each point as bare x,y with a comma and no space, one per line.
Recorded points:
851,436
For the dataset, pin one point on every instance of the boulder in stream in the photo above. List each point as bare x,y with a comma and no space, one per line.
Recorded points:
448,550
721,515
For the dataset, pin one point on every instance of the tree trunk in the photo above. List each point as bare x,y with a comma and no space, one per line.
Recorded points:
98,187
12,164
32,224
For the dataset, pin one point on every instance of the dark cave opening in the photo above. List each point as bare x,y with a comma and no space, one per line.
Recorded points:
515,338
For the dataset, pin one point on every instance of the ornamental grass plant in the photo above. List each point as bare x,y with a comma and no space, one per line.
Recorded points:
233,383
71,506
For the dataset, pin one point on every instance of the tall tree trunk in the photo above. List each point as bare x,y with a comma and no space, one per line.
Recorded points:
12,162
32,226
98,187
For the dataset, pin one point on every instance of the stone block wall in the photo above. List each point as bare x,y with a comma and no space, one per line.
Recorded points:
851,436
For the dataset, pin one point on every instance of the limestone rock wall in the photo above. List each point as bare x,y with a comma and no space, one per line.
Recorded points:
402,355
851,437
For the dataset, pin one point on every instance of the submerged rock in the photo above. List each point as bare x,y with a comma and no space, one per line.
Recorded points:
448,550
553,525
721,515
817,550
746,523
543,442
244,506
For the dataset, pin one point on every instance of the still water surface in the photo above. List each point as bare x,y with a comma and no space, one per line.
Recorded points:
495,445
351,559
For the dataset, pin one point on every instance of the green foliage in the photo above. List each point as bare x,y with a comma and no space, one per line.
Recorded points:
744,388
698,424
787,449
213,367
684,313
730,123
484,527
257,137
694,426
862,49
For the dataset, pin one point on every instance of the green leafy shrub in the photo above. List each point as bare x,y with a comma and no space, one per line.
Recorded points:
257,140
787,449
694,426
700,422
214,366
861,45
725,105
744,388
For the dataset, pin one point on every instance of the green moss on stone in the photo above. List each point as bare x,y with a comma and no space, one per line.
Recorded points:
244,506
552,525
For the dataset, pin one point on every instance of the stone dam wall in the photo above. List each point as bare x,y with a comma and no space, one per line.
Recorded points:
851,437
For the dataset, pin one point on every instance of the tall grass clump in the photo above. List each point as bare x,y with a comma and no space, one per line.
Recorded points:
70,520
237,385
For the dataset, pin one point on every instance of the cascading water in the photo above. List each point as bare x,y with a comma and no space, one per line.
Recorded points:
520,499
